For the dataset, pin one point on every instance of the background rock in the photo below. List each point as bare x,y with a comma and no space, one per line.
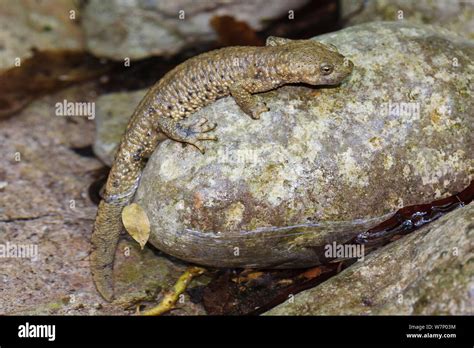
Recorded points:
113,112
455,15
44,25
139,29
324,164
429,272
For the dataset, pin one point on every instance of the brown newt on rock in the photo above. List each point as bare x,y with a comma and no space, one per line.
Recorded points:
235,71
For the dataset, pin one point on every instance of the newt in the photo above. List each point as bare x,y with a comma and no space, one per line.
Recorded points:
240,72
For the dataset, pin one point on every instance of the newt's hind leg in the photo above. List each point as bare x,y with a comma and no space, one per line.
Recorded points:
198,131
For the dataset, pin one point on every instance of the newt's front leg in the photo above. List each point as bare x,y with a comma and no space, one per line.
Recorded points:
249,103
252,104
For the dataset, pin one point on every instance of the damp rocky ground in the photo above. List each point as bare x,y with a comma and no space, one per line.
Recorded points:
429,272
45,203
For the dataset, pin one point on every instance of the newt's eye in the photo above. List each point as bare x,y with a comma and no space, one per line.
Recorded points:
326,68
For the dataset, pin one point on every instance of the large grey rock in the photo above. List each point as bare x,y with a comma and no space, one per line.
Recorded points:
141,28
323,164
430,272
455,15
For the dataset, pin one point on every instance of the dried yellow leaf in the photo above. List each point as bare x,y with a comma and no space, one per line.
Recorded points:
136,223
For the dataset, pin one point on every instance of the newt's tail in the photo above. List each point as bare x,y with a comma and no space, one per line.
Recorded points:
107,228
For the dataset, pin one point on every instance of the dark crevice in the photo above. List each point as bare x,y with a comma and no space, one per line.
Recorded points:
84,151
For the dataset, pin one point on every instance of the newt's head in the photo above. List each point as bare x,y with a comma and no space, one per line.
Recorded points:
311,62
